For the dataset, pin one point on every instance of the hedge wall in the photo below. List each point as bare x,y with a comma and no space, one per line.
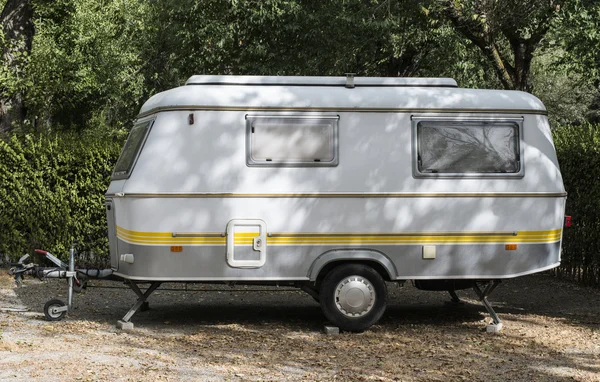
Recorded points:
52,193
578,149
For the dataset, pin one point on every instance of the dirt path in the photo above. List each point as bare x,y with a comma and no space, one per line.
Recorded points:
551,332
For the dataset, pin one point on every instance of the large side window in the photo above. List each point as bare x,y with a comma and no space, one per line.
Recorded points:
291,140
447,147
131,150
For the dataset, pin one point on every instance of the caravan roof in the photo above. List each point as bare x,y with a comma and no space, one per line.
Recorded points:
258,93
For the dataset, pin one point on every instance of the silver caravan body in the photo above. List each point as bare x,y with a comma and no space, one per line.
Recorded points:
239,178
334,185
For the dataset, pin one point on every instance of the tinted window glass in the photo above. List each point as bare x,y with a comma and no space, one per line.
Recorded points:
130,151
468,147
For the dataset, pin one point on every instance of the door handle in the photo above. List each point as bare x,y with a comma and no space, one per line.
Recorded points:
257,243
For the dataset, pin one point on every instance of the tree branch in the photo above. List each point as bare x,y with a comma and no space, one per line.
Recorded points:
475,31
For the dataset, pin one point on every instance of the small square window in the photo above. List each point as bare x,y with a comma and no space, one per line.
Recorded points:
292,141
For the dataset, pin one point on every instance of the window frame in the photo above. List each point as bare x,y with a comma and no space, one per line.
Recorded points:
332,119
127,174
488,120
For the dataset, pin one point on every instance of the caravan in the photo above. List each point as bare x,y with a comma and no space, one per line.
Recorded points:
336,185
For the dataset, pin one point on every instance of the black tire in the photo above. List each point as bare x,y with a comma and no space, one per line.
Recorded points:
50,316
330,302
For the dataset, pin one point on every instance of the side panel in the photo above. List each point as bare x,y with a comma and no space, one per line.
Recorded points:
470,235
375,156
193,178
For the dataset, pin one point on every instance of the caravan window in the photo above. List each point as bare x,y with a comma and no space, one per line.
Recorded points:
456,148
292,141
130,151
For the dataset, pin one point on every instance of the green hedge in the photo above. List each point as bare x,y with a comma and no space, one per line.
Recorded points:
578,149
52,193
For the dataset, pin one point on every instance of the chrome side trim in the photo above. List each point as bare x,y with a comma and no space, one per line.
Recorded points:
377,234
198,234
343,195
339,109
189,279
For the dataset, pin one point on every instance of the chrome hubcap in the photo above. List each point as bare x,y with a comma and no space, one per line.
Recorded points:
52,311
354,296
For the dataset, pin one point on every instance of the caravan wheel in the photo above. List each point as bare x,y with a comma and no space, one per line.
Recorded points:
49,312
353,297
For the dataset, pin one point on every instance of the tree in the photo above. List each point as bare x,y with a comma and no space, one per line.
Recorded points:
507,32
282,37
580,32
85,64
17,37
580,39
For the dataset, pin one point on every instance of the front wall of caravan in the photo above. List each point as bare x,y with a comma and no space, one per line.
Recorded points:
206,162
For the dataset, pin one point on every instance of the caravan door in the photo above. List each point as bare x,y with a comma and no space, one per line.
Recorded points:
246,243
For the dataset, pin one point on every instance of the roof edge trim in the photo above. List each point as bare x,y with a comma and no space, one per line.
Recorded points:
482,111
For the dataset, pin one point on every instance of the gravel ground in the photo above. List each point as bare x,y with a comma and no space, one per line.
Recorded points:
551,332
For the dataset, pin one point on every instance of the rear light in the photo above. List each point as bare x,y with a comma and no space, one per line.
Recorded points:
567,221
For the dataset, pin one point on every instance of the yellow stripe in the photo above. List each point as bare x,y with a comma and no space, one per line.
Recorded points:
336,234
314,238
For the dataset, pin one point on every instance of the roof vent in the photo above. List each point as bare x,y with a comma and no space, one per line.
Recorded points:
350,80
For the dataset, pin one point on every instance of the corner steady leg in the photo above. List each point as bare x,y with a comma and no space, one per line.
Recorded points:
496,325
454,296
145,305
124,323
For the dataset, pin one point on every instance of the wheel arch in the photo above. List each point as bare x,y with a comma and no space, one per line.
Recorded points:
332,258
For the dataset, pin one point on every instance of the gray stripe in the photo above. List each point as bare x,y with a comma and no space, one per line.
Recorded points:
465,261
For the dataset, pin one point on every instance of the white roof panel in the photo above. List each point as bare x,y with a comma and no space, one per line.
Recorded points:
286,96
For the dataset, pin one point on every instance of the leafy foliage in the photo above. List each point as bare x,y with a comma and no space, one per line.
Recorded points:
578,150
567,94
507,33
580,37
282,37
85,63
52,192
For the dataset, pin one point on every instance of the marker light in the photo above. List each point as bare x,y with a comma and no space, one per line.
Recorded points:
510,247
567,221
176,248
